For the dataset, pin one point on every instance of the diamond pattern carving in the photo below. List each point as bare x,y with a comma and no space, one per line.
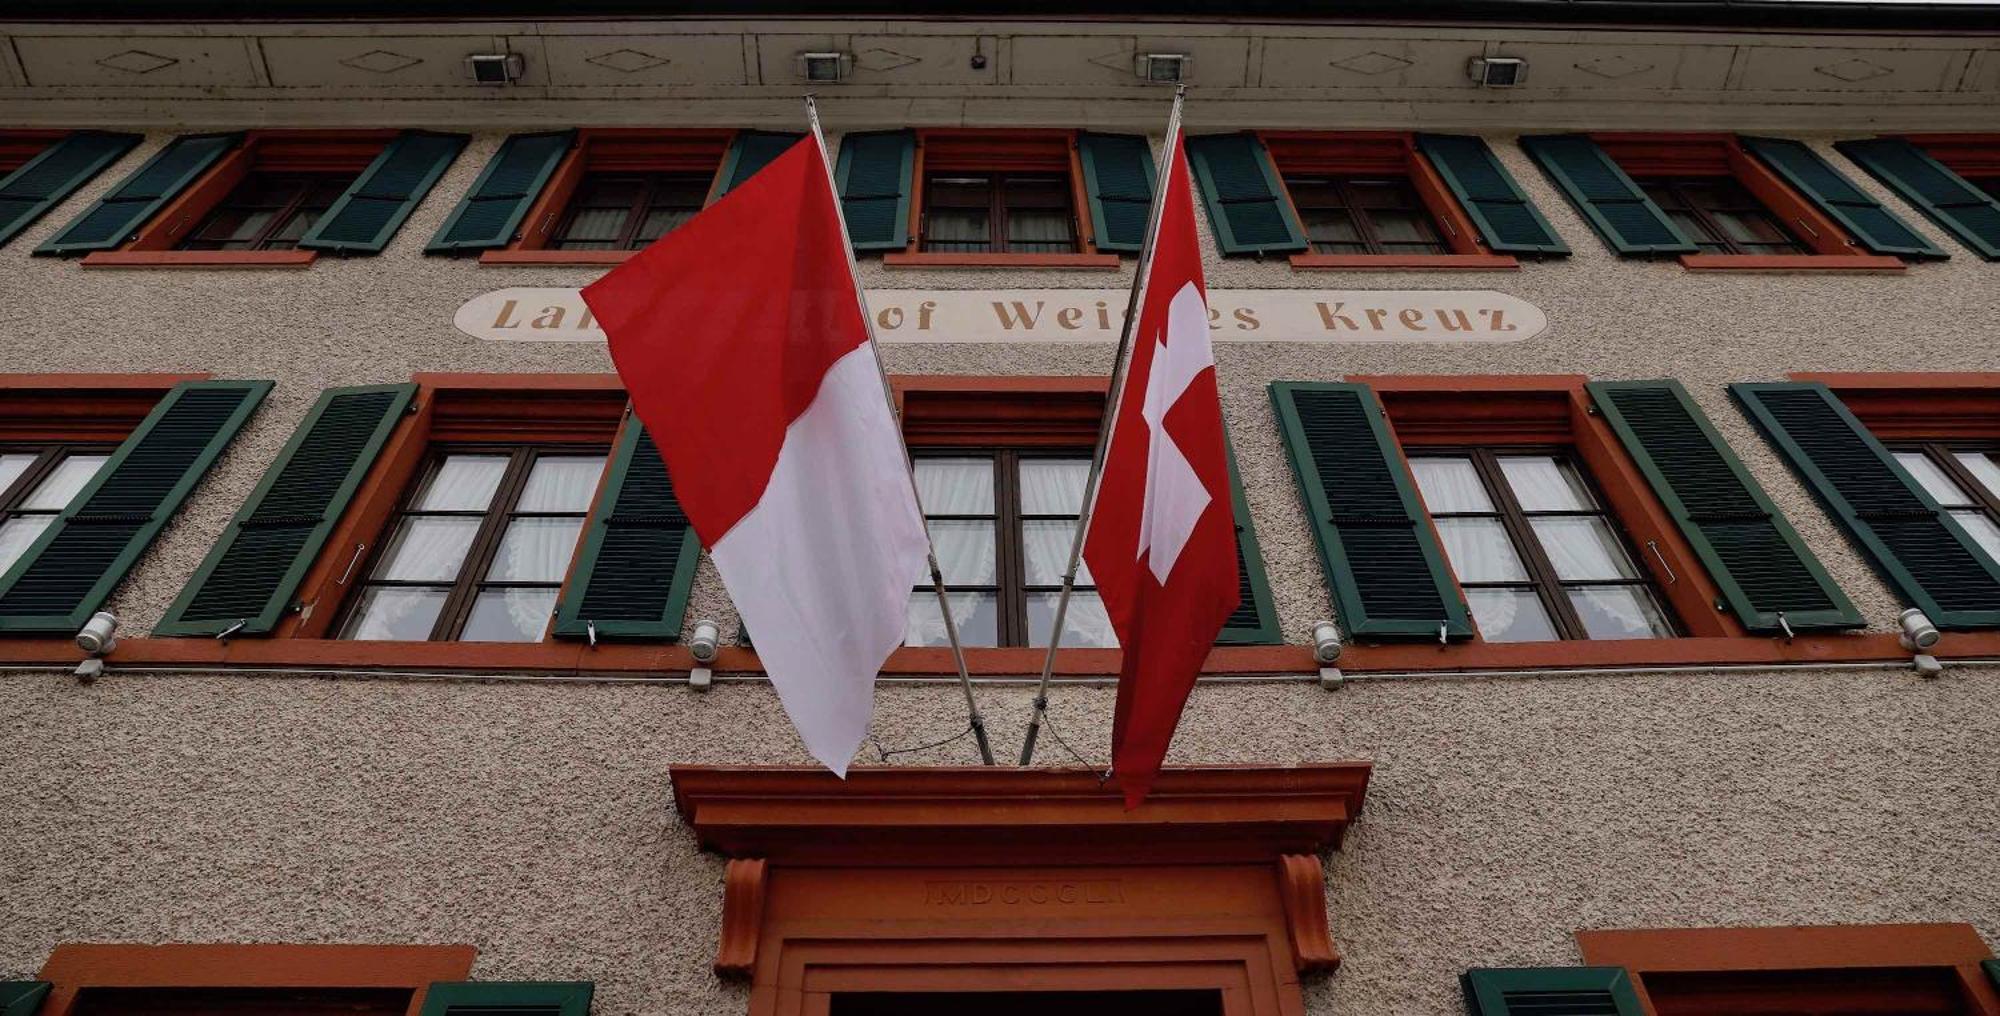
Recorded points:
380,61
883,60
137,61
627,61
1853,70
1613,67
1372,63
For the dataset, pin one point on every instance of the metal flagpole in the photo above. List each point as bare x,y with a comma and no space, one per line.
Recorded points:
1120,360
868,321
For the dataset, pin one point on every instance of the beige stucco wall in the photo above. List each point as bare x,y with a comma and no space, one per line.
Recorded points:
535,820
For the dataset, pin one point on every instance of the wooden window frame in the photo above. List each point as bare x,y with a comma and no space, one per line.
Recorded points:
1954,947
286,212
608,150
71,968
1972,156
1916,407
1025,150
1643,154
1678,187
999,212
17,147
1382,154
320,151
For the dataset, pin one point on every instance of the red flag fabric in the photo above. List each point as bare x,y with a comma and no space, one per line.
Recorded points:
1162,539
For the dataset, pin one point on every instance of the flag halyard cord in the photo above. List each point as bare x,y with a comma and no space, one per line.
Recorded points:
977,722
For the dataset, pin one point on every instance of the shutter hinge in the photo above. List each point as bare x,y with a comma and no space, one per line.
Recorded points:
1786,627
590,632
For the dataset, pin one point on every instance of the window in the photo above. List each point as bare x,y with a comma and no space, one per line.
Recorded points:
627,211
96,979
242,1001
1020,213
36,484
1719,215
1362,215
1965,481
268,211
1533,548
1013,1003
479,550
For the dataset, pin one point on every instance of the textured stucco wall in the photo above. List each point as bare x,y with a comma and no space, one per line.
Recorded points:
535,820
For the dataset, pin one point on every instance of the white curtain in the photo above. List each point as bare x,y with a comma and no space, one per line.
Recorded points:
1450,485
464,483
955,486
1053,486
428,549
535,550
1543,484
1480,551
561,483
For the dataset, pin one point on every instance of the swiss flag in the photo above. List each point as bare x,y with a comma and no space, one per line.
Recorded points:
1162,538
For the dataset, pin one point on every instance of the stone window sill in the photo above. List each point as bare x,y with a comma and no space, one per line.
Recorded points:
1874,263
1406,262
201,259
931,259
556,257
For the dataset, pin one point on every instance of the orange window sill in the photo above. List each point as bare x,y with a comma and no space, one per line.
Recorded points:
1793,263
1407,262
931,259
201,259
556,257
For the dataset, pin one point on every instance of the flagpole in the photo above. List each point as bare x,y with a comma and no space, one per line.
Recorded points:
937,575
1119,361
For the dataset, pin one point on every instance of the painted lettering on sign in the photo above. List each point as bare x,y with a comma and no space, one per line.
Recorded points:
1017,894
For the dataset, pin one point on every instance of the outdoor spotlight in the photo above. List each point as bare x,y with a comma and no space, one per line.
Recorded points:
1497,71
825,67
1326,641
703,643
495,68
1162,68
1918,631
98,635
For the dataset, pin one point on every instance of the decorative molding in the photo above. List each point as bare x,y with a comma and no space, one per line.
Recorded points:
1854,70
1302,887
627,61
1613,67
137,61
880,60
742,916
381,61
1371,63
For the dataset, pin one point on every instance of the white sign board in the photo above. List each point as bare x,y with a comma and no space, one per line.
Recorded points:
1085,315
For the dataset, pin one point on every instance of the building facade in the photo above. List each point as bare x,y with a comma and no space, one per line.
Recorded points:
1616,417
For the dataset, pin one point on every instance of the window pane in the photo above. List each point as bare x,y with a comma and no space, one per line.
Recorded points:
1085,624
12,465
1750,227
977,614
533,550
1045,547
464,483
661,221
601,225
1933,478
427,549
1480,551
1040,231
403,615
955,486
1583,548
1620,612
61,485
1450,485
509,615
958,230
1974,520
561,483
18,534
1053,486
1509,615
1981,465
965,551
1543,483
1400,227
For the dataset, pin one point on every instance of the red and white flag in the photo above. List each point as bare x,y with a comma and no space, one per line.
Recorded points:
1162,538
741,340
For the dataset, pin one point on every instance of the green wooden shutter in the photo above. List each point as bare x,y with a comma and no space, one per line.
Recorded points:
1246,200
637,563
1509,221
1754,555
118,215
1963,209
1550,991
55,173
750,152
1621,213
1992,970
491,212
1916,546
1255,621
874,179
1876,227
362,219
73,566
508,998
252,571
22,998
1382,559
1118,176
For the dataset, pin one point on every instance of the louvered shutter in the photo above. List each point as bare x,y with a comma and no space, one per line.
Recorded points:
1382,559
55,173
1246,201
1876,227
1916,546
251,573
1614,205
70,570
1952,202
1118,177
507,998
22,998
1992,970
1754,555
369,212
874,178
1550,991
1509,221
491,212
750,152
1255,620
118,215
637,563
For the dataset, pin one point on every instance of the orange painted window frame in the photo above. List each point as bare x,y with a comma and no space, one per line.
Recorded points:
271,150
80,407
1021,150
18,146
1965,154
1919,406
610,149
1723,154
1383,154
1956,947
72,968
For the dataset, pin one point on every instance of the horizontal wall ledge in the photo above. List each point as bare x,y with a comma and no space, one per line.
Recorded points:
201,259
